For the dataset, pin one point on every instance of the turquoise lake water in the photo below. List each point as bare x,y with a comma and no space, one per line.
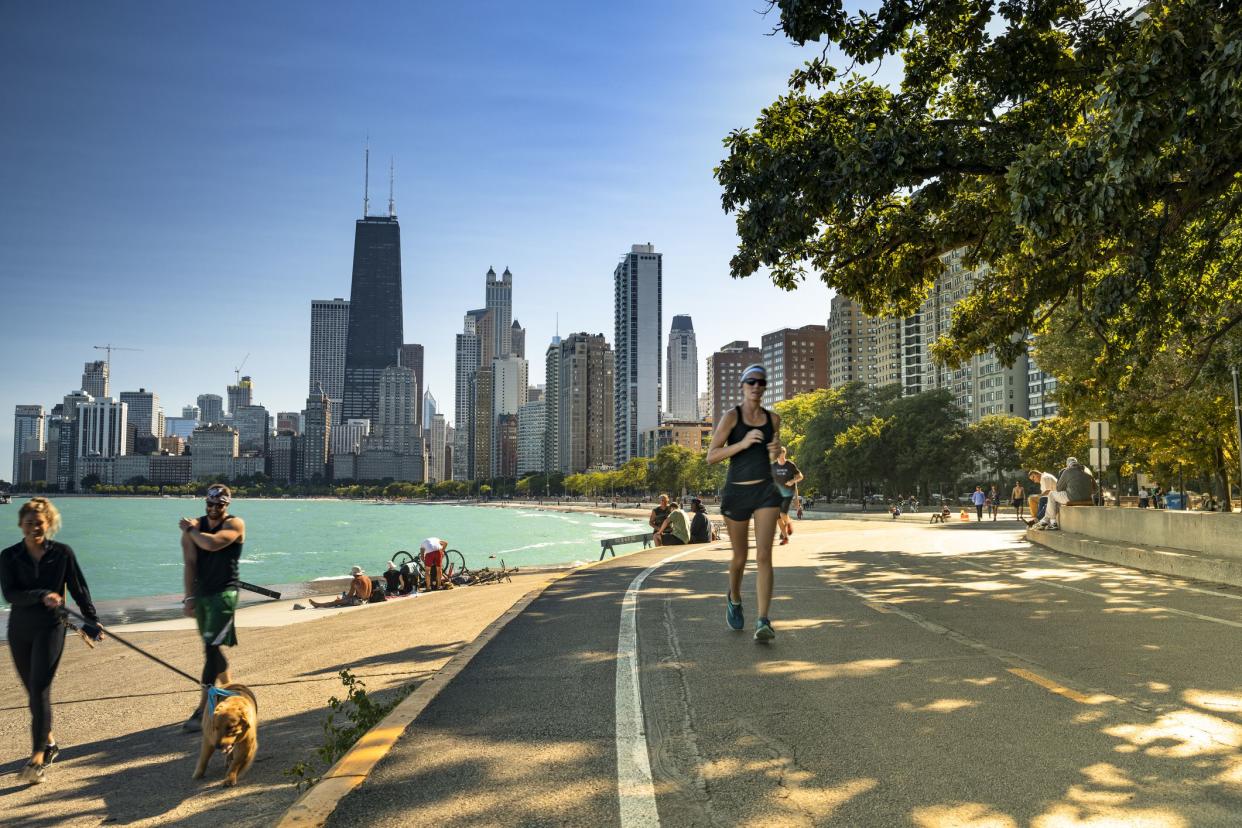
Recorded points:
130,547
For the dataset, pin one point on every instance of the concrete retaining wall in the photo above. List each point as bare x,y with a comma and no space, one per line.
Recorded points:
1214,534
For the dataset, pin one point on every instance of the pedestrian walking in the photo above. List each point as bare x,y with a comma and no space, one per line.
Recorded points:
1018,493
979,499
211,547
34,576
993,502
748,437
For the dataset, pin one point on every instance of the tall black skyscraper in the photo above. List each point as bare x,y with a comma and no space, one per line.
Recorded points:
375,334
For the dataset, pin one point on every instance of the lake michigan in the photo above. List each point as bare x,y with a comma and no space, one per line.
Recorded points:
130,547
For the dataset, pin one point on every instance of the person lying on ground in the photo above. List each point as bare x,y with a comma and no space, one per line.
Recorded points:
359,592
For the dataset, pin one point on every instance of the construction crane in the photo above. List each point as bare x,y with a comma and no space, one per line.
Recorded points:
109,348
237,370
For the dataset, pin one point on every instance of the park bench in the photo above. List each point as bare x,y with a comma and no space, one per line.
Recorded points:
607,544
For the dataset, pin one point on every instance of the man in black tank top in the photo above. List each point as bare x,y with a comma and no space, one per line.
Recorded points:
211,547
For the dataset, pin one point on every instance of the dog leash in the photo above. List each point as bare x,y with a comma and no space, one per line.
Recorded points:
214,694
66,612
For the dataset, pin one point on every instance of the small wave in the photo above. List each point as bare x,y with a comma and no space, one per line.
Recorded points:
543,545
605,524
248,560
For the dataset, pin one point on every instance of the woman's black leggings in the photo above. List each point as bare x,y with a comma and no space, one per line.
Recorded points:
36,652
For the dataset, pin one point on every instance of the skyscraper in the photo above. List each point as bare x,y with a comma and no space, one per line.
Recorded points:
517,340
467,364
430,409
375,311
683,371
317,419
532,426
500,303
437,438
95,378
28,424
240,394
210,408
252,431
551,411
637,288
145,413
103,427
329,337
411,356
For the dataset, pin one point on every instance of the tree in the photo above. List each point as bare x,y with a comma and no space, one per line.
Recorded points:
995,438
861,453
668,471
1049,443
1088,155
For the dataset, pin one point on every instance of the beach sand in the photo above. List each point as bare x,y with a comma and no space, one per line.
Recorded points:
117,714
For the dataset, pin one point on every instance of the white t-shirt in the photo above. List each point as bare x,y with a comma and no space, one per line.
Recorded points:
1047,483
432,545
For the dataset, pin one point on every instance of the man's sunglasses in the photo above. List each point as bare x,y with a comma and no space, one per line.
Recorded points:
758,382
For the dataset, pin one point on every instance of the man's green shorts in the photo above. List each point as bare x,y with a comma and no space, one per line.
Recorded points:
214,614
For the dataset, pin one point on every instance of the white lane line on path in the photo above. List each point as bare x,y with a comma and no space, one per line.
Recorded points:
635,788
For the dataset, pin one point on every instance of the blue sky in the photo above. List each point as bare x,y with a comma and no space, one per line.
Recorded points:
184,178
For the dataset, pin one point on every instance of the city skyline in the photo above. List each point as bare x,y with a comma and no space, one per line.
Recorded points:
254,195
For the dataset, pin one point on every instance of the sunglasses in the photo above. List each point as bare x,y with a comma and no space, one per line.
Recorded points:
758,382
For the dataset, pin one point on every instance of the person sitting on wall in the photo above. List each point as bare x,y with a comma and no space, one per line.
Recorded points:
359,592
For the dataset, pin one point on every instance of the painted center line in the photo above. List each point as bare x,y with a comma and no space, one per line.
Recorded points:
635,788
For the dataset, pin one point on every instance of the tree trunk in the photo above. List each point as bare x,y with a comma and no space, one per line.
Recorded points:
1222,478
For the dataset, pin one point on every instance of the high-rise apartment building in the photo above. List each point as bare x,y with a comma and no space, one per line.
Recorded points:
467,354
146,414
411,356
240,394
683,370
71,402
191,412
637,289
375,314
317,421
329,337
484,424
211,409
28,434
61,450
103,428
850,343
724,375
506,452
500,303
285,457
532,424
397,418
551,411
252,429
796,360
585,407
290,421
509,383
349,436
212,451
95,378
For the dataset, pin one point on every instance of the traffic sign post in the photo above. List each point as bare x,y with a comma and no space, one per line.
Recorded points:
1100,455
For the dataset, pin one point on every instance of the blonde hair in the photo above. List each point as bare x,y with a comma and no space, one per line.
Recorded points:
41,506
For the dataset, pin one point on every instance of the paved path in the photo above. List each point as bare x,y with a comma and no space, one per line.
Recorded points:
118,715
922,676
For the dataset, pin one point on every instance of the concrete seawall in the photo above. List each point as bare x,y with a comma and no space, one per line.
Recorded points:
1204,546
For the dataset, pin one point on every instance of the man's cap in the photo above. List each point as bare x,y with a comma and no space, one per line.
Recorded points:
694,501
1073,461
756,370
355,570
392,565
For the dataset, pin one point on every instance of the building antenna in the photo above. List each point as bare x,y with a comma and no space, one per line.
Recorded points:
392,205
558,323
366,186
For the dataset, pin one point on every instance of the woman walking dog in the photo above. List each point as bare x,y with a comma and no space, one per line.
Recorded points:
748,437
34,575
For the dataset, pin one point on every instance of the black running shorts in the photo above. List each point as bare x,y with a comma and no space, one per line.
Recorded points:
738,502
785,503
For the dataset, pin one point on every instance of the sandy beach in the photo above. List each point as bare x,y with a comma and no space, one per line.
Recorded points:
117,714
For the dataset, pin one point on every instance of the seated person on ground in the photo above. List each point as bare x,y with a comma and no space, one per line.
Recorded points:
700,526
674,530
359,591
392,578
409,581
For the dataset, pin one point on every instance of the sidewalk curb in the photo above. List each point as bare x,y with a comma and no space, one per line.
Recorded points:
313,808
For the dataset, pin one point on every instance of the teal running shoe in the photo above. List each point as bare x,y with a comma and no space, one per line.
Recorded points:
763,630
733,614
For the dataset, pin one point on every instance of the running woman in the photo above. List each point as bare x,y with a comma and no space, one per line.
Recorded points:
748,436
34,575
211,546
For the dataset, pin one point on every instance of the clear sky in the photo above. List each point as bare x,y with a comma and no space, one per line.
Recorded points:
184,178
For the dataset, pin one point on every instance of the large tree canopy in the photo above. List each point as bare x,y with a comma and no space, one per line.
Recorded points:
1088,153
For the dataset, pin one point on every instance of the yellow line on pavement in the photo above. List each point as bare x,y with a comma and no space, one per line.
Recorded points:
1060,690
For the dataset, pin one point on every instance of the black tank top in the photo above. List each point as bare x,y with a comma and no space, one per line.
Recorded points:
216,571
753,463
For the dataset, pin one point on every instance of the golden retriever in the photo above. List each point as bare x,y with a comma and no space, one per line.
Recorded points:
233,729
